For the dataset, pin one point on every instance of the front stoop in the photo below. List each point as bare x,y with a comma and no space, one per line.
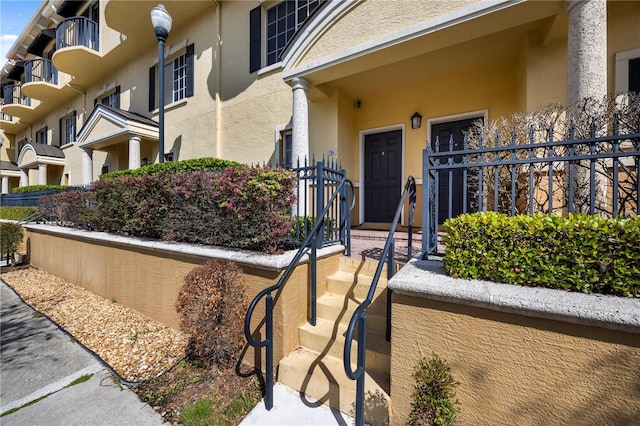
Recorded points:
316,369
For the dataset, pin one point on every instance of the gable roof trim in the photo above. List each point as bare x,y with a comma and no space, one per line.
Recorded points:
306,39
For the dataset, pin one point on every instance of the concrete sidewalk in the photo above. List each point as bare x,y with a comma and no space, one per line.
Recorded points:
39,362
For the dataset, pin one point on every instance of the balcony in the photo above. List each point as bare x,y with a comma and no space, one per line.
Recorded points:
77,48
7,123
40,79
17,104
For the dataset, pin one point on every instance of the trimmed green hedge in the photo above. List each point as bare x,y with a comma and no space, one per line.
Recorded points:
16,212
209,164
36,188
581,253
11,235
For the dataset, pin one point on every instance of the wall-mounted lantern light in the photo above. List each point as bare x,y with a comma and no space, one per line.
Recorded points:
416,121
161,21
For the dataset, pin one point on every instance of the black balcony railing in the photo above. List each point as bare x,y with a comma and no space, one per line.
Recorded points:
3,116
13,95
77,31
40,70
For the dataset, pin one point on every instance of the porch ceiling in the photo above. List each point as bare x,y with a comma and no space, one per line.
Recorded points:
388,64
486,52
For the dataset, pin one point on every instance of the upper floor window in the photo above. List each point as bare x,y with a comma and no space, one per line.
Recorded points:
68,129
287,152
281,22
111,98
178,79
41,136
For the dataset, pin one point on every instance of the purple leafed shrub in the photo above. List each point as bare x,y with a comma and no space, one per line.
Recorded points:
70,207
240,207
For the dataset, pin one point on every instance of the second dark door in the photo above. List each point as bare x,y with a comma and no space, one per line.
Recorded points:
443,133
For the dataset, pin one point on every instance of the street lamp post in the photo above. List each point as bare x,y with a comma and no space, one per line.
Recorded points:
161,21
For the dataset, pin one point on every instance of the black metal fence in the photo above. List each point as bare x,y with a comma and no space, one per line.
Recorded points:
316,183
33,198
592,175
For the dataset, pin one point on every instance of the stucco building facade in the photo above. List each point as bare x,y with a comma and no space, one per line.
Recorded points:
268,81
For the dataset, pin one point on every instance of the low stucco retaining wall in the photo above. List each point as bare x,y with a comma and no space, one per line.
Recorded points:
525,356
146,275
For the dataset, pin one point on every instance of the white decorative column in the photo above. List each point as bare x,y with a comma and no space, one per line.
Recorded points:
587,50
87,166
587,78
42,174
5,184
134,152
300,128
300,138
24,177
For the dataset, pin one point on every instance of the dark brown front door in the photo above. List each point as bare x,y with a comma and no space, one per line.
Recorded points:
382,175
445,132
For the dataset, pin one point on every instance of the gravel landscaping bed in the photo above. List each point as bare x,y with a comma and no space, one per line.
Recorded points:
136,347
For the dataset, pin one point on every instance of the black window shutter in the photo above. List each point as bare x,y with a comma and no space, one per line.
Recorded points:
61,133
75,125
152,88
255,44
634,75
189,61
117,96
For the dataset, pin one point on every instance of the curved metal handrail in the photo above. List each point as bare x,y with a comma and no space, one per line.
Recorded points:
268,341
359,317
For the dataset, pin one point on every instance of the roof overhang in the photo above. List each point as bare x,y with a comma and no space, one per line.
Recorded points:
108,126
33,155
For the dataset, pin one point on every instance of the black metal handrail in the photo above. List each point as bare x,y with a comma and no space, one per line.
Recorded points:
359,317
313,242
40,70
77,31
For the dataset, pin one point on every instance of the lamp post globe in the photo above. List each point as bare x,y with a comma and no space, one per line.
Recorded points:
161,21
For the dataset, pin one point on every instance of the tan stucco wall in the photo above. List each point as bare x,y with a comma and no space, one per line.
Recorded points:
149,281
622,33
514,369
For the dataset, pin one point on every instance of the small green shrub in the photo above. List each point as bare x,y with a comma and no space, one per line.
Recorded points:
193,165
37,188
211,305
16,212
581,253
11,235
434,393
304,224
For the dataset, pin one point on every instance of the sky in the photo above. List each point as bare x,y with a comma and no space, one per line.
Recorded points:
14,16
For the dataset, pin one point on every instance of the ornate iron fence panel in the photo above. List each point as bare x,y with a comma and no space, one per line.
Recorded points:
592,175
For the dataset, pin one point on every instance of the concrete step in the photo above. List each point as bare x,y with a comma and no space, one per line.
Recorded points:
362,267
323,379
328,338
353,285
339,308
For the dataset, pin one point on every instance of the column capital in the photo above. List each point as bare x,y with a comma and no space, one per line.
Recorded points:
300,83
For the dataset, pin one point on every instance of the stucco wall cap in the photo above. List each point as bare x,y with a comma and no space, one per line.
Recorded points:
426,278
274,262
